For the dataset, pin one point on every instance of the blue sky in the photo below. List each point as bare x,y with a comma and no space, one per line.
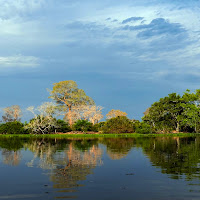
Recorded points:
124,54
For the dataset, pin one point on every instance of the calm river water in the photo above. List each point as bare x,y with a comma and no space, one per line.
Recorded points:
101,169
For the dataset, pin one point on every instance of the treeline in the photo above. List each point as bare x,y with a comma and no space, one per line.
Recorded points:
46,123
173,113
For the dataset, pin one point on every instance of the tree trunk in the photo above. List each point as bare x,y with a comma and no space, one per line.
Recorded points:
195,127
70,116
177,127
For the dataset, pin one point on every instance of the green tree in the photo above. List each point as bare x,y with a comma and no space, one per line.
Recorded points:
173,107
192,116
175,112
120,124
14,127
143,128
165,114
67,95
62,126
82,125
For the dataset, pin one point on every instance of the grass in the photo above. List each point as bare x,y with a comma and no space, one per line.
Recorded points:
124,135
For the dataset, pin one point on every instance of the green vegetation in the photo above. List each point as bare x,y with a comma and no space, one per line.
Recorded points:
14,127
82,136
171,114
175,113
82,125
62,126
120,124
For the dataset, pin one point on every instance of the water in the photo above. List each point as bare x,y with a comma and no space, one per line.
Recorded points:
105,168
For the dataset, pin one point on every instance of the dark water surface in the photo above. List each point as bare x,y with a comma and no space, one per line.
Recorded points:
100,169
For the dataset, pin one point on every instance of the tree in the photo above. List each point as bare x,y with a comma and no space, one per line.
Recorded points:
12,113
14,127
82,125
62,126
165,114
192,116
91,113
173,106
94,113
120,124
115,113
43,122
67,95
175,112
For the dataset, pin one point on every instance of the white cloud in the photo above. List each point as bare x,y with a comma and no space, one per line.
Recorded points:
18,61
19,8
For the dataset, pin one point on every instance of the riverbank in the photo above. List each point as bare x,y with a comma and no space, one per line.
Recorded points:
123,135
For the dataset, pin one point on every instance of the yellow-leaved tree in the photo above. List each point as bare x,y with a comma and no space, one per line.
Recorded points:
67,95
115,113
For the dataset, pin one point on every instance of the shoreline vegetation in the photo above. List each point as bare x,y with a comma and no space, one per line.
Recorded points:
100,135
174,115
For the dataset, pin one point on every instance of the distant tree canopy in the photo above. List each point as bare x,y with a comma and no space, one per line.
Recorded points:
115,113
175,112
67,94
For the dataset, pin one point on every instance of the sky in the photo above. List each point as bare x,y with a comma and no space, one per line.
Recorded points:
124,54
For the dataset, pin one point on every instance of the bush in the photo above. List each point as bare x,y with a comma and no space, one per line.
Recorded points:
98,127
82,125
120,124
62,126
143,128
12,128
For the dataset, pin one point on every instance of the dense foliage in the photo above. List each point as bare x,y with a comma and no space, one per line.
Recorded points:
175,113
62,126
83,125
12,128
120,124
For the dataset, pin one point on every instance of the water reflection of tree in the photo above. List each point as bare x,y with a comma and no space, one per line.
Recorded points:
11,157
176,156
75,166
10,150
70,161
45,151
118,148
12,143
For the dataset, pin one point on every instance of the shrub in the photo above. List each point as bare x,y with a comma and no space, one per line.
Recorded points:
82,125
143,128
62,126
97,127
120,124
12,128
